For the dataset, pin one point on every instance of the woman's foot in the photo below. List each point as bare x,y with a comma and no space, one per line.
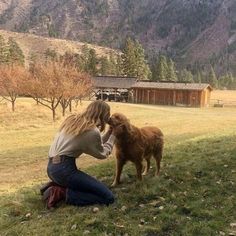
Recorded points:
54,195
46,186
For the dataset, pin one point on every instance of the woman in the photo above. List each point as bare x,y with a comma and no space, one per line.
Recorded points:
79,134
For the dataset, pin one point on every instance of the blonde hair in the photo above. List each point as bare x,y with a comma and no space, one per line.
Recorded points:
93,116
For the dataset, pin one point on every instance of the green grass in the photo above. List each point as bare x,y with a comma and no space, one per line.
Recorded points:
194,195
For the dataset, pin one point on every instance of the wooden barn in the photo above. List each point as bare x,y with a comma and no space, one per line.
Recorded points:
176,94
161,93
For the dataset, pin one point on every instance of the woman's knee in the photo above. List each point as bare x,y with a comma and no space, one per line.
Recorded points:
110,198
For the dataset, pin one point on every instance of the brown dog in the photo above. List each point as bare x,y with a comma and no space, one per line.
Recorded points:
135,144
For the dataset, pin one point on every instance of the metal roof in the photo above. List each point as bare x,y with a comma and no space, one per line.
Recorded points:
172,86
113,82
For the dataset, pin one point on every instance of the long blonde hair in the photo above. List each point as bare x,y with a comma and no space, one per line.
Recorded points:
93,116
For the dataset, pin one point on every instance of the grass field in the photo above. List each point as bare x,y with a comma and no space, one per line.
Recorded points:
194,195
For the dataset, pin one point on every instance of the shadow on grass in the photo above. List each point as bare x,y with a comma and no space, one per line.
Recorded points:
194,195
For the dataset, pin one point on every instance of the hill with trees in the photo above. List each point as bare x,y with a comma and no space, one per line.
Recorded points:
194,33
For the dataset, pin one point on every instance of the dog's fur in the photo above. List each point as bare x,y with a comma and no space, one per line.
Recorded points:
135,144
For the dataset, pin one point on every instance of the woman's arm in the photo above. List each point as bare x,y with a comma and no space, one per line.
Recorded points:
106,136
96,148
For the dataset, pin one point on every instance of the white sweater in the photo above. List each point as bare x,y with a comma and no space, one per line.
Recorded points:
89,142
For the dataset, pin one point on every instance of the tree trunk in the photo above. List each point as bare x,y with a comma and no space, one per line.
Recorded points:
54,114
13,106
70,106
63,111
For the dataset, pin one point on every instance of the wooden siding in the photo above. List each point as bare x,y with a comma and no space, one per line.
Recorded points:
190,98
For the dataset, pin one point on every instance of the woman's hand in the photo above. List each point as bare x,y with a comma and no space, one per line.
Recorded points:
110,130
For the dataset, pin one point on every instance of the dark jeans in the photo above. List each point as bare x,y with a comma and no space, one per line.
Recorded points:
82,189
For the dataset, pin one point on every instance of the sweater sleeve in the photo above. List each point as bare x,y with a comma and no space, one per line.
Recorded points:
106,136
97,148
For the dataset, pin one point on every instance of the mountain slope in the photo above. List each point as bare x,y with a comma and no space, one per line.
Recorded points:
33,45
190,31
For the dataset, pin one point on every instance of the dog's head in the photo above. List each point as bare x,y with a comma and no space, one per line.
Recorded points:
120,124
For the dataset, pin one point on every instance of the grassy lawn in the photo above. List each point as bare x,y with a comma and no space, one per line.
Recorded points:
194,195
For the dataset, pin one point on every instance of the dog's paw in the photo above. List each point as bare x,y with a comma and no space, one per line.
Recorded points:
114,184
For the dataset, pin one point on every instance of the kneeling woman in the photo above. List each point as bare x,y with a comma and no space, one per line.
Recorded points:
79,134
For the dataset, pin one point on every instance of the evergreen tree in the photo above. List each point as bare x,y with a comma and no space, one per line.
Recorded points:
4,52
16,55
212,80
112,63
186,76
82,59
231,81
119,66
134,62
171,72
198,78
91,66
162,69
104,66
128,58
142,69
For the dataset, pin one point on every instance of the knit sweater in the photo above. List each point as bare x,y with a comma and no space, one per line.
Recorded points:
90,142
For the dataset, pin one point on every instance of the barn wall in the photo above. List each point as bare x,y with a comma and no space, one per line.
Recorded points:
172,97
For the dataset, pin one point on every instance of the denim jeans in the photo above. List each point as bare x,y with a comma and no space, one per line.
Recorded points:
82,189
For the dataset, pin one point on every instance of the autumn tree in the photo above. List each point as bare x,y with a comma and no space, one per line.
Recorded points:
11,77
76,86
53,82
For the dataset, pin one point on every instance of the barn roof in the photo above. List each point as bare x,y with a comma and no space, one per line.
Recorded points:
113,82
172,86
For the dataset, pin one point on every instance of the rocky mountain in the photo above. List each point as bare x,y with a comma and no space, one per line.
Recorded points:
193,32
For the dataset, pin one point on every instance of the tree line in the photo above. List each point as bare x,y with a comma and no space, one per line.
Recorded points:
50,82
60,79
132,62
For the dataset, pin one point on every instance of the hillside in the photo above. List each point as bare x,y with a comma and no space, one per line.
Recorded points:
191,31
33,45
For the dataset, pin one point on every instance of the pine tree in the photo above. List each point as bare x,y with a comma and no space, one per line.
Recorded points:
4,52
186,76
142,69
91,66
231,81
162,69
119,66
198,78
133,59
104,66
129,58
171,73
16,55
112,63
212,80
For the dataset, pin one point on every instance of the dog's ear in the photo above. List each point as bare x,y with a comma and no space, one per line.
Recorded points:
128,128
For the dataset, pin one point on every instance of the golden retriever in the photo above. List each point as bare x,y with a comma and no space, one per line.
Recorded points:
135,144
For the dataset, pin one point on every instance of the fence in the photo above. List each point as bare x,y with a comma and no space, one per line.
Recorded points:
222,103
